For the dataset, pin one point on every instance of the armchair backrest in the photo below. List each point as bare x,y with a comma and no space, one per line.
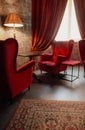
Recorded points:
82,49
63,48
8,53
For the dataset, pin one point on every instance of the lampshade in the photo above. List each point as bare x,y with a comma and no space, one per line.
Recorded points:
13,20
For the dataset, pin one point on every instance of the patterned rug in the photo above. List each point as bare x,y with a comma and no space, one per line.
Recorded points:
48,115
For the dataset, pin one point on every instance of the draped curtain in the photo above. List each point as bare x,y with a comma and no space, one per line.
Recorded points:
46,19
80,13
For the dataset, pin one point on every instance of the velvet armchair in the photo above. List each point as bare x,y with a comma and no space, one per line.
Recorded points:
82,52
61,51
13,80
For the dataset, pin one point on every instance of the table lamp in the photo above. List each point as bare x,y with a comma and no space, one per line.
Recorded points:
13,20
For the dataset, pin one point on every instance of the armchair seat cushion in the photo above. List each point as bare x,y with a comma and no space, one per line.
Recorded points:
49,63
61,58
48,66
70,62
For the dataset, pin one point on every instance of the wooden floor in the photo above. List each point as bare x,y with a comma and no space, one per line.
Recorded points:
51,88
58,89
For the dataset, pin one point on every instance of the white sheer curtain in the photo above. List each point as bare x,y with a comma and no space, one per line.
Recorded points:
69,27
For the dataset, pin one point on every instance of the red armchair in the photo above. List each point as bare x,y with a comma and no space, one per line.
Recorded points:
82,52
61,51
12,80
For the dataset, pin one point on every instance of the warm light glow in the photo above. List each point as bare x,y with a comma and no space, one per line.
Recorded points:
69,27
13,25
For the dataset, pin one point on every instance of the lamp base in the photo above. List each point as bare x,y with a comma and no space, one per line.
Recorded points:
14,36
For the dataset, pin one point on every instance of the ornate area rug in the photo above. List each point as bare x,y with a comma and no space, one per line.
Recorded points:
48,115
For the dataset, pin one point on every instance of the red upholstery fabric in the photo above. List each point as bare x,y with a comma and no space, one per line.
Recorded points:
12,80
82,49
82,52
51,63
71,62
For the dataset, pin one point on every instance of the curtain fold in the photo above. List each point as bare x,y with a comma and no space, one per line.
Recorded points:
46,19
80,13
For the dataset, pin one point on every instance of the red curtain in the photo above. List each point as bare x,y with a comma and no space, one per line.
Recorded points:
80,13
46,19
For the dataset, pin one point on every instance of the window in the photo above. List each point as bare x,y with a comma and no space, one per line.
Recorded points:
69,27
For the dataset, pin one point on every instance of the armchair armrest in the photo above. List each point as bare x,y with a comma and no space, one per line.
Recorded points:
61,58
26,66
46,57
